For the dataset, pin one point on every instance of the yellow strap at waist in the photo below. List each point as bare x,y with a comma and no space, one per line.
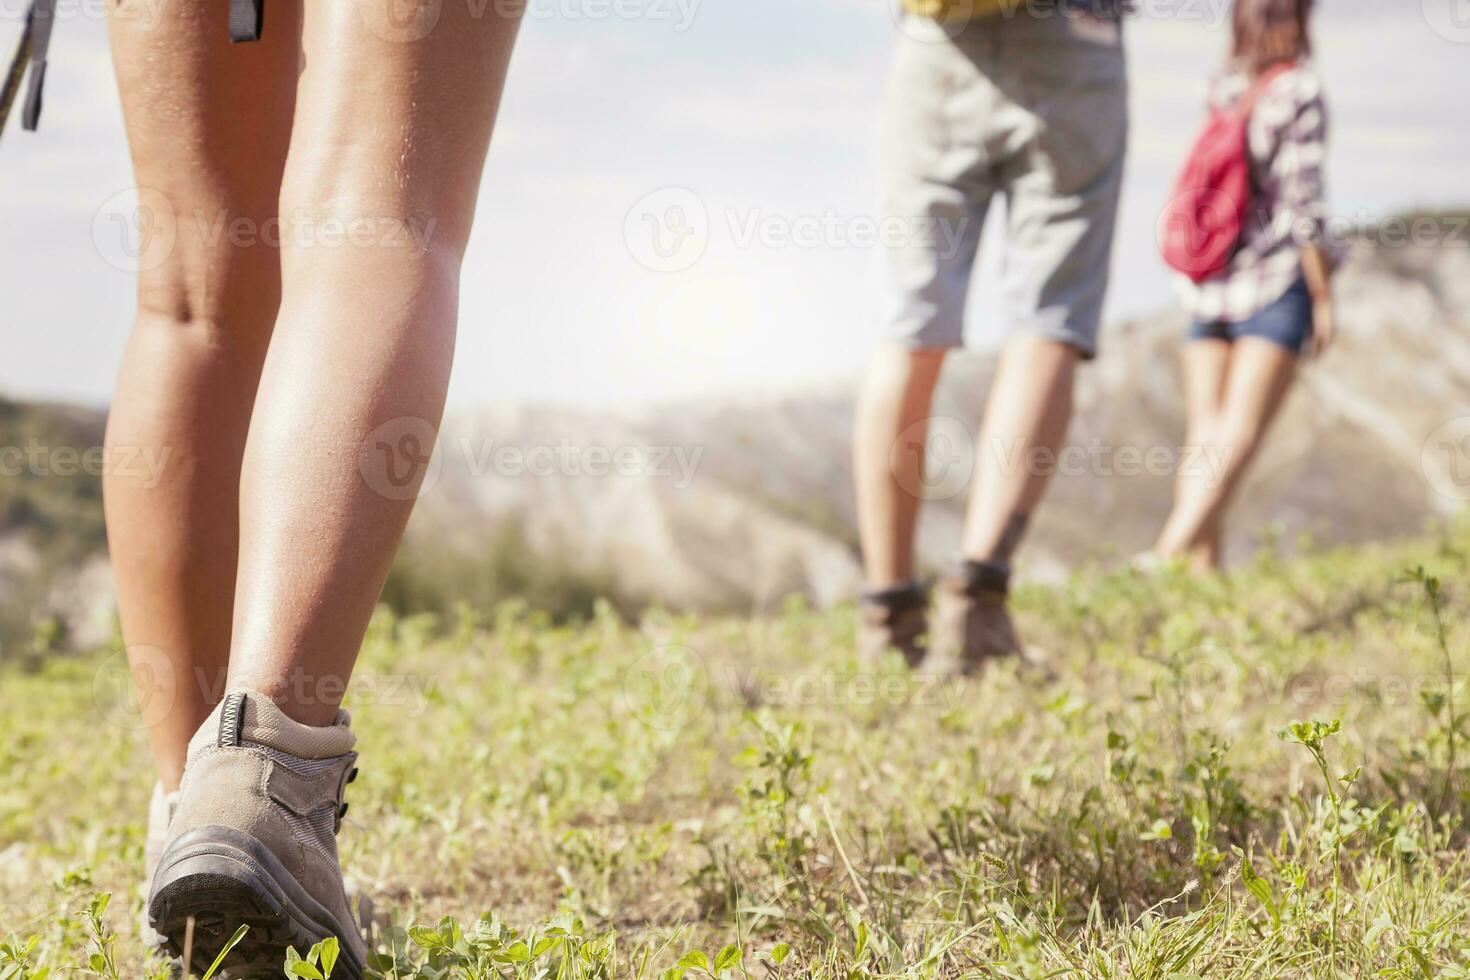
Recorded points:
954,10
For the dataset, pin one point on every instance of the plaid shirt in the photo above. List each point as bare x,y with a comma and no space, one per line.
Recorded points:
1288,146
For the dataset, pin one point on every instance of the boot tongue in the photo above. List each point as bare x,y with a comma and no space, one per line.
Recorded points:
248,718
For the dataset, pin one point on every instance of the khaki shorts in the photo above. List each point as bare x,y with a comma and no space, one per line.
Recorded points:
1030,106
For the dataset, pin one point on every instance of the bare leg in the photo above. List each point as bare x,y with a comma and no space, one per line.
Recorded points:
389,144
1206,370
1029,408
888,458
1259,376
208,127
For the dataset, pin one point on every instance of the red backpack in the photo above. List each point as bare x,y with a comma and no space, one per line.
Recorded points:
1200,226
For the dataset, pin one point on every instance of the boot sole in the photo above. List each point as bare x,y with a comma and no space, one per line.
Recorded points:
223,878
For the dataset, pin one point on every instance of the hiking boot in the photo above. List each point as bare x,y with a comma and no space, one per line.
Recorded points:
161,809
973,627
160,814
253,842
894,619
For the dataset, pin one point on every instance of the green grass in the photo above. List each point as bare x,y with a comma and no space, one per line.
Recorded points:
706,797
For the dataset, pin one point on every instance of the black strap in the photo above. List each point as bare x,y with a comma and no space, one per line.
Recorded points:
246,19
15,74
30,114
976,578
42,18
897,598
35,40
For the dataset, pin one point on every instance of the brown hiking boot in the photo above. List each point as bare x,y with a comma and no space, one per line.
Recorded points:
894,619
160,814
253,842
972,624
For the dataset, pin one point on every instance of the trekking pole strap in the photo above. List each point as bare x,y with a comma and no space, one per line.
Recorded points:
35,40
246,19
43,18
15,74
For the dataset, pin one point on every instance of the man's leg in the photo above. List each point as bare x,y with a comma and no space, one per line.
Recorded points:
888,458
1026,420
938,188
1062,179
889,442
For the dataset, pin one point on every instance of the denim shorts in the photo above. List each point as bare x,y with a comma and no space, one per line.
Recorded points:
1286,322
1030,108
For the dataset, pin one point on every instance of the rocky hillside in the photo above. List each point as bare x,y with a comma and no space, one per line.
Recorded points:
735,505
739,504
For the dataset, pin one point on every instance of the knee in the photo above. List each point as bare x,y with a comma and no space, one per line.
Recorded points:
1204,431
225,304
898,388
1238,442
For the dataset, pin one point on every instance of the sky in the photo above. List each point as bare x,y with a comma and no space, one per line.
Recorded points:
680,198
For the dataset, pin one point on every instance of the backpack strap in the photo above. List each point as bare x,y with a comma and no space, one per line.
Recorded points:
35,41
1247,104
246,19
